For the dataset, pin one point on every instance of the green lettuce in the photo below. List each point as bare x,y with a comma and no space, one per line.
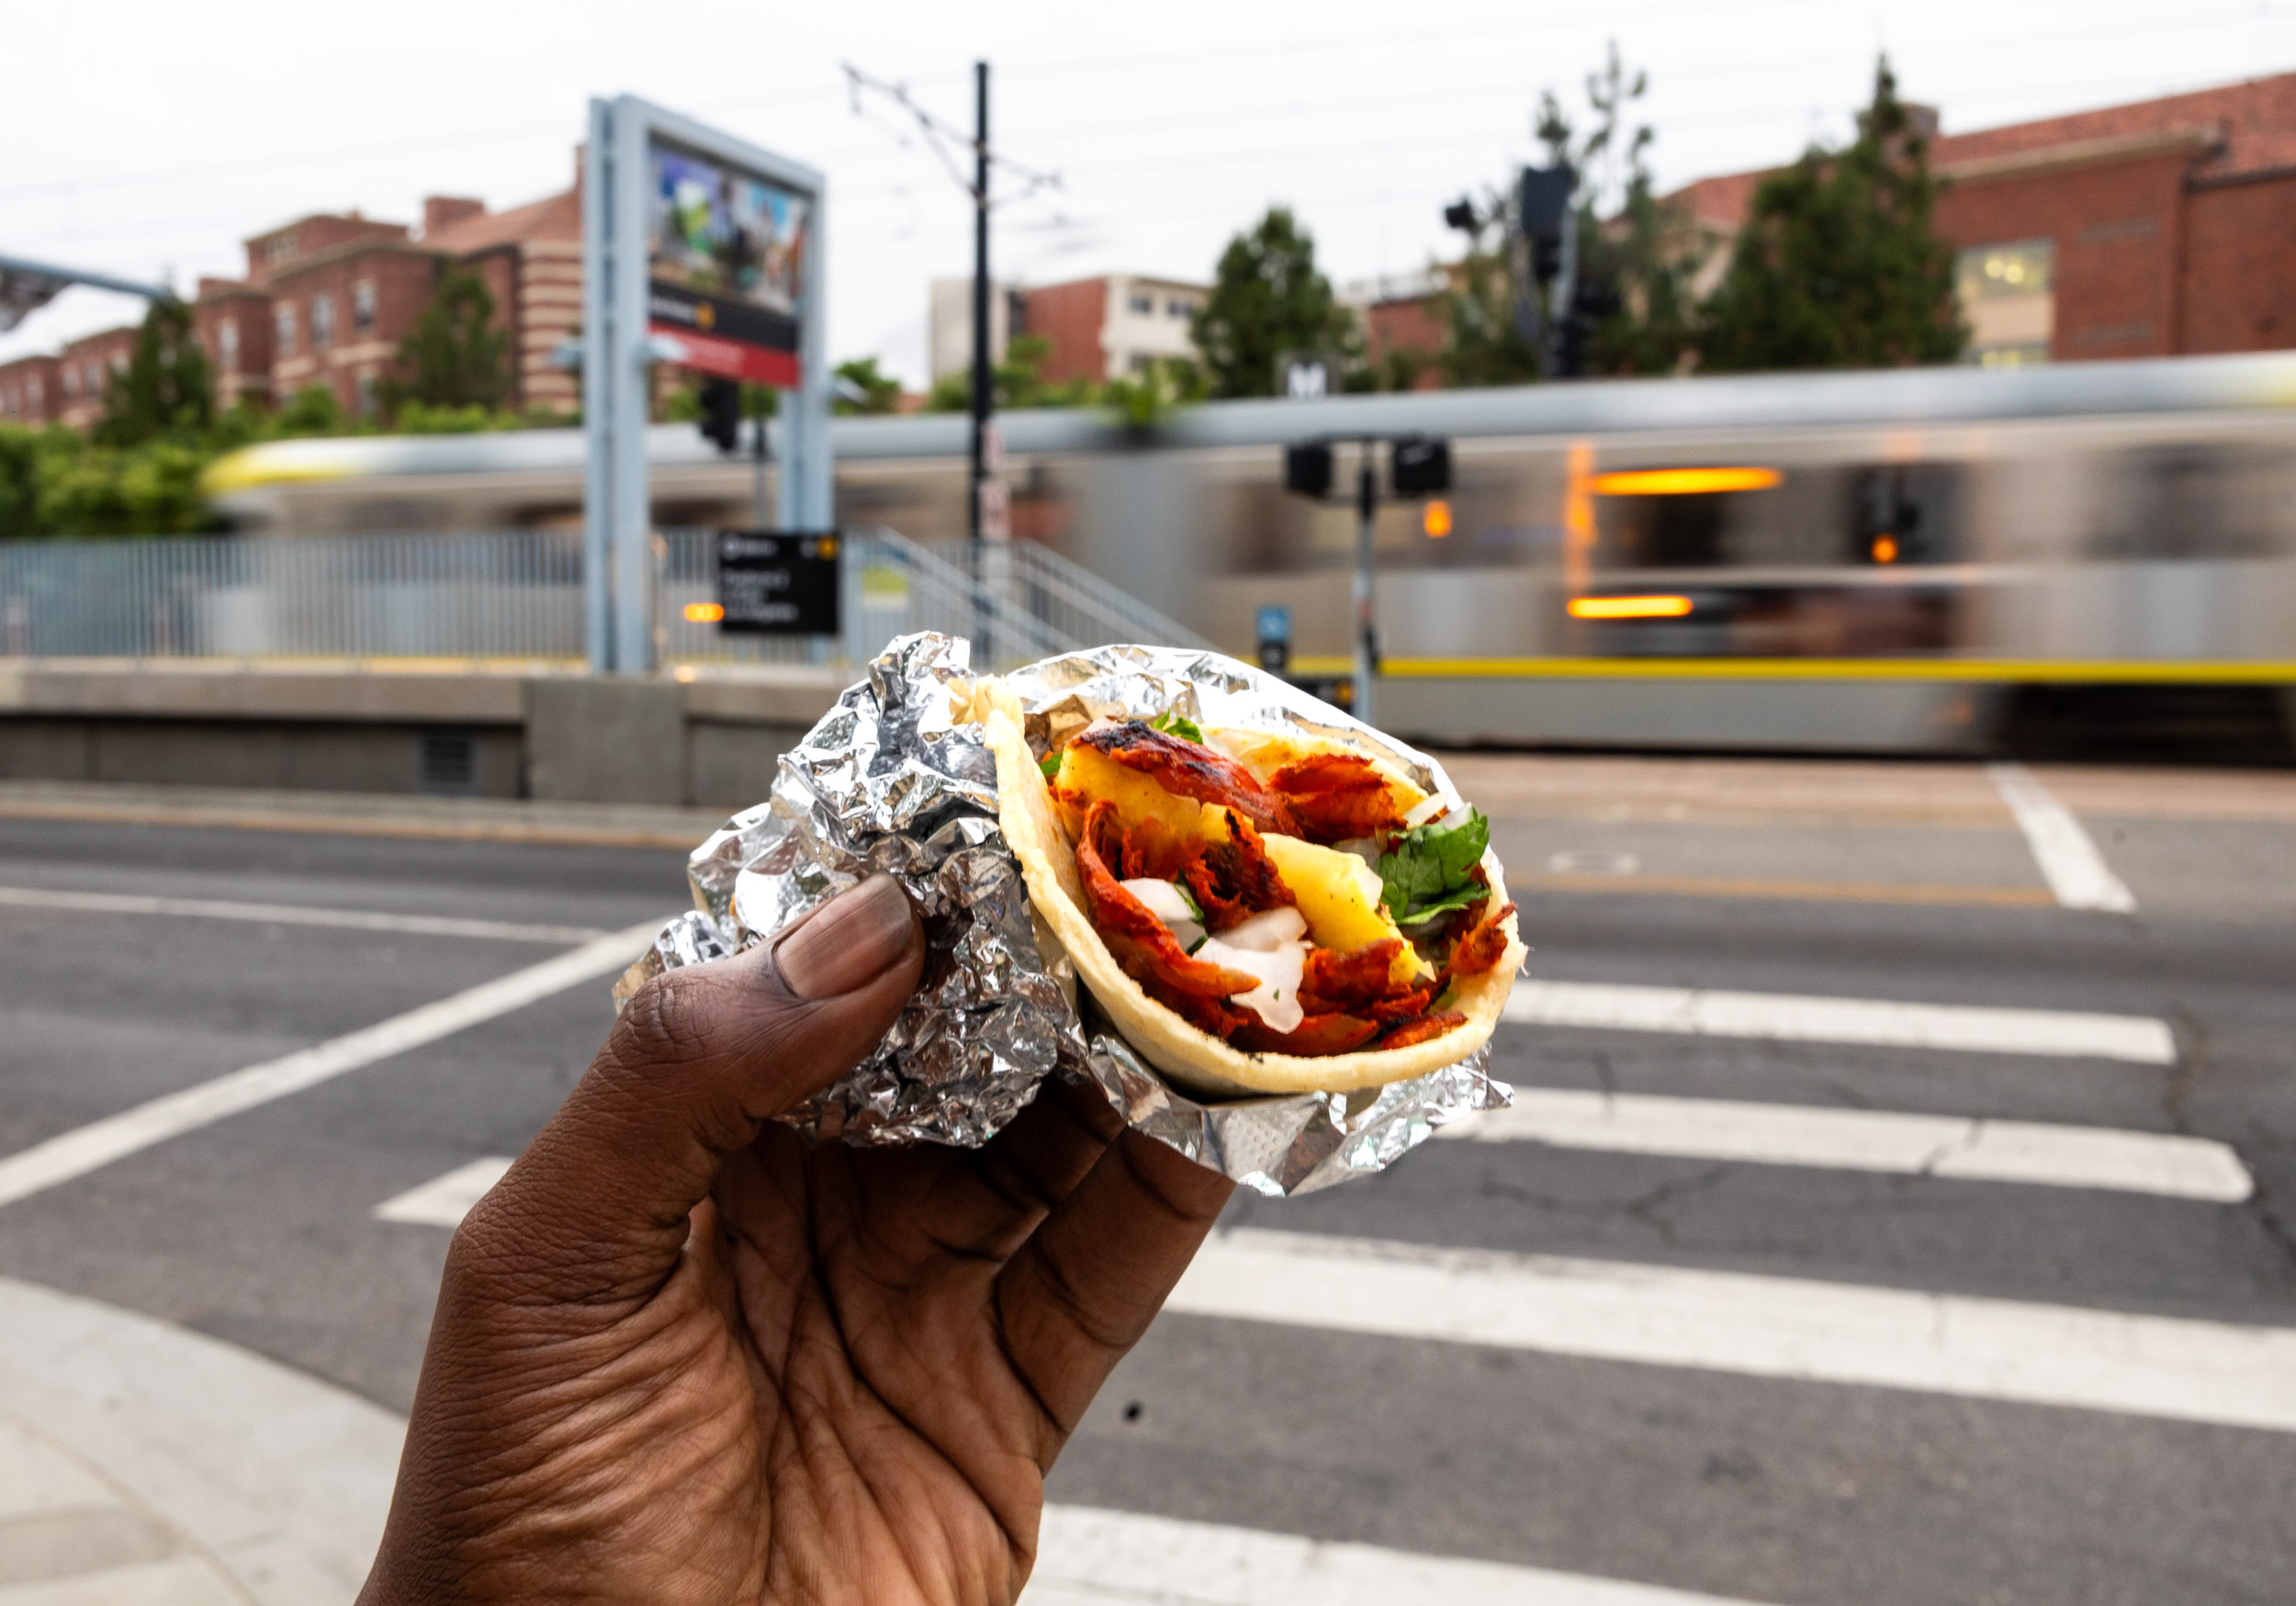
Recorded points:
1429,871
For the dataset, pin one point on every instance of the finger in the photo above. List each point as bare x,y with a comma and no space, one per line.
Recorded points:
984,1207
1086,1284
596,1209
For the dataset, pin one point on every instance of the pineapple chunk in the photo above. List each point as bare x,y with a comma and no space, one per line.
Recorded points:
1087,775
1340,896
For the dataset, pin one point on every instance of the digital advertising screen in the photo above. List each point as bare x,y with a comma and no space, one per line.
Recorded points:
726,271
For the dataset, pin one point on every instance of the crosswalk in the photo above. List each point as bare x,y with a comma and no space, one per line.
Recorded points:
1697,1321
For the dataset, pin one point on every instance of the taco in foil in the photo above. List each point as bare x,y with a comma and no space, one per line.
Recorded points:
1259,911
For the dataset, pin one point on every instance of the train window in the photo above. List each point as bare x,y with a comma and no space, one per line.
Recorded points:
1663,532
2175,502
1903,513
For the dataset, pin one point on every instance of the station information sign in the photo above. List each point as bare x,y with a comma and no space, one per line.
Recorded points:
777,582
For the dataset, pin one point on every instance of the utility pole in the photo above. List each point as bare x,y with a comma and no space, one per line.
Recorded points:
1366,641
981,393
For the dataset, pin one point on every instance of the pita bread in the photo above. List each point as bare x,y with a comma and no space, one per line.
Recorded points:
1195,1059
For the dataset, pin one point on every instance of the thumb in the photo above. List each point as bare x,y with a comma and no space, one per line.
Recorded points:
595,1210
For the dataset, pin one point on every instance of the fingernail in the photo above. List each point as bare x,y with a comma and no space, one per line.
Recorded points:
853,937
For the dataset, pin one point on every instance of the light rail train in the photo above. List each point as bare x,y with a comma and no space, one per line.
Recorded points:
1939,560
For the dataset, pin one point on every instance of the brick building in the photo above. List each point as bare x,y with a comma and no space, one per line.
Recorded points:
31,388
2158,228
327,299
1097,327
85,367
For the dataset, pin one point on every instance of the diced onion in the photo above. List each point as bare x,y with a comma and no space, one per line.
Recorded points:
1267,931
1426,809
1162,900
1277,999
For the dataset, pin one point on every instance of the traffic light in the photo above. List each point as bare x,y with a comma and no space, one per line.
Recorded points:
1308,470
721,413
1421,466
1544,212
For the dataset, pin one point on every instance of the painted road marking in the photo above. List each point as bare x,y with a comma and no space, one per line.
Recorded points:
77,1152
1967,1149
2070,861
1091,1558
1792,1017
1692,886
290,914
444,1201
1754,1325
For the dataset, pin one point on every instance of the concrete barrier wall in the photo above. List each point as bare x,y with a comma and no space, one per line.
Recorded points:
475,734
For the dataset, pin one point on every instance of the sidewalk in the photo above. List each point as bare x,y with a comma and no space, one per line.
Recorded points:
142,1464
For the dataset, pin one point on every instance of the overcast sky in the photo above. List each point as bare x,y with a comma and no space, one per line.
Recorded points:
145,139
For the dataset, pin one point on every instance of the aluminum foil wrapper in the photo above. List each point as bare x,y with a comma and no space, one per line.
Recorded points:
892,780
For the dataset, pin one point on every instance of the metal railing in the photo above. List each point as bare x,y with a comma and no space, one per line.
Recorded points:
1069,597
515,594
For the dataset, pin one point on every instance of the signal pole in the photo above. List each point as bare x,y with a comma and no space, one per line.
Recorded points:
1367,640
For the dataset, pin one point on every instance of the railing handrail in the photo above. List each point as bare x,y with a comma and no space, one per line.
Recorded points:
1123,616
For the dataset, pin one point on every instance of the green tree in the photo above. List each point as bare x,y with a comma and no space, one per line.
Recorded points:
1017,380
879,392
168,387
1268,298
456,355
1838,266
1632,273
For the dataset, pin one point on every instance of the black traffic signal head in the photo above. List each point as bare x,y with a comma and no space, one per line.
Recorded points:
721,412
1460,215
1421,466
1308,470
1543,209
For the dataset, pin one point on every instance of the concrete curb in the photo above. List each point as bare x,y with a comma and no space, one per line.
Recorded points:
280,1480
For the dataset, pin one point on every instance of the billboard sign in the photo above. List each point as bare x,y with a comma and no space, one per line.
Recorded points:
726,266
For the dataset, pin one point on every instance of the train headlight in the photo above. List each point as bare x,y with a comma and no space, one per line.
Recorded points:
1436,519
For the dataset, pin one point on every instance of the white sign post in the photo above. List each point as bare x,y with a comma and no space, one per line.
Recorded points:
703,251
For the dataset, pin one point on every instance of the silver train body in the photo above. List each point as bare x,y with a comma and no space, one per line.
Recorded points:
1917,560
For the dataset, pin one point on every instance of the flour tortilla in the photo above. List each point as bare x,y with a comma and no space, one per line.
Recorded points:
1196,1060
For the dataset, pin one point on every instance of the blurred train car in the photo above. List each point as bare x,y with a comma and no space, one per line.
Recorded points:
1944,559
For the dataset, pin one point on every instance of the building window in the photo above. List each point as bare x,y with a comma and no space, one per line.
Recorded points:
1176,308
2008,298
70,382
95,380
227,345
32,389
1143,305
285,316
362,306
323,321
367,395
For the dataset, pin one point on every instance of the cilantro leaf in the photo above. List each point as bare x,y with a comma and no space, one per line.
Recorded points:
1175,724
1050,764
1195,910
1429,871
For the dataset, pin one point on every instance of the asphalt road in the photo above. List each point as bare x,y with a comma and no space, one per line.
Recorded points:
1725,1463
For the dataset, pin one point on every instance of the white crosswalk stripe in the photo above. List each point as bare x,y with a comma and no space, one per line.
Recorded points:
2069,860
1757,1326
1092,1557
444,1201
1969,1149
1874,1022
85,903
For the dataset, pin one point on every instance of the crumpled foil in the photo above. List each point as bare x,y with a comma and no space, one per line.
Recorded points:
892,781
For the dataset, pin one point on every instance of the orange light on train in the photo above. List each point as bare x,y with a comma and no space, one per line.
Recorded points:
1884,549
1629,607
1683,481
1436,520
705,612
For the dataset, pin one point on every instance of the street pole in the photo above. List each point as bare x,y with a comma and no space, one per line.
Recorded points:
1367,641
981,392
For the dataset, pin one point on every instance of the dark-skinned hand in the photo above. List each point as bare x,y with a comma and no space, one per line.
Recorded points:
684,1355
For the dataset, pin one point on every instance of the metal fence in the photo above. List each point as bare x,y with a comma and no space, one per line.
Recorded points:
515,594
